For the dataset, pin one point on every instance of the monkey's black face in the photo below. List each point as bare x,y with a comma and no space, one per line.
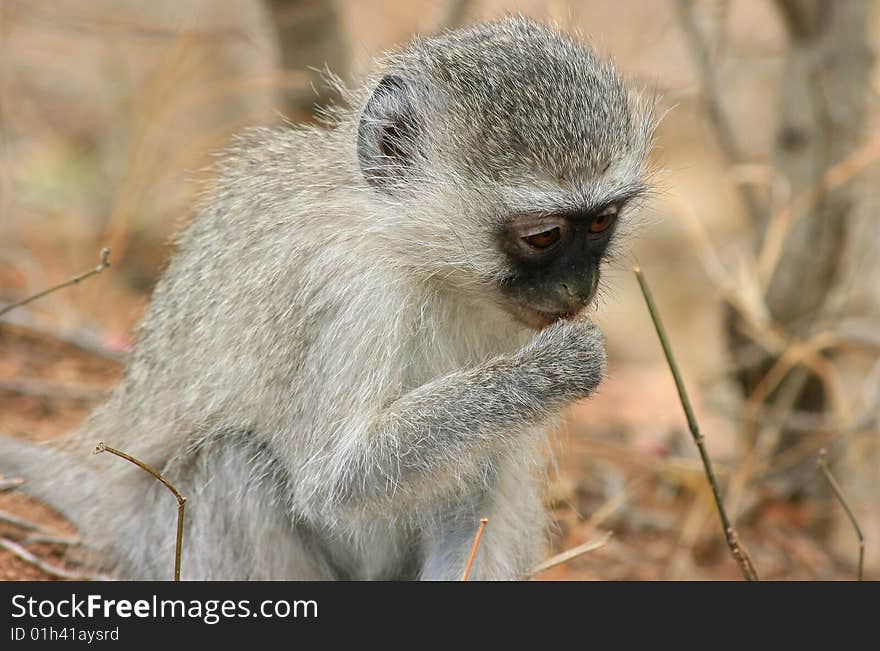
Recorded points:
554,261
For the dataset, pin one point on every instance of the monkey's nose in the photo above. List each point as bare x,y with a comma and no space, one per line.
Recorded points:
571,303
573,296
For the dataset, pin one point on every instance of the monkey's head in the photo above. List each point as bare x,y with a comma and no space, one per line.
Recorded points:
520,153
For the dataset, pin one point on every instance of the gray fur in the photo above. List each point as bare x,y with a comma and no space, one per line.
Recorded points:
327,369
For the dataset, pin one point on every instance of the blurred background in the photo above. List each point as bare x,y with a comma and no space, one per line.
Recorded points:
762,247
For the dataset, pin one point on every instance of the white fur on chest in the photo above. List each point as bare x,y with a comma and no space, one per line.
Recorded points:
453,335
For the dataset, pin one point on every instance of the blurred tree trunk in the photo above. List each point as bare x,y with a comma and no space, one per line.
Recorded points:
824,94
310,35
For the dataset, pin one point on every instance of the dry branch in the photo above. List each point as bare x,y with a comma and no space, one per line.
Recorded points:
37,538
737,550
21,523
835,177
476,546
571,554
47,568
181,500
105,262
10,484
838,492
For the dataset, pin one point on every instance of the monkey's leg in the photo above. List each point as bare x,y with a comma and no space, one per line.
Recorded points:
513,541
237,525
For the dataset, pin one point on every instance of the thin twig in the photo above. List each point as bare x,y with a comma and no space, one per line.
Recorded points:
476,546
571,554
838,492
37,538
105,262
614,504
739,552
181,500
15,521
47,568
10,484
782,221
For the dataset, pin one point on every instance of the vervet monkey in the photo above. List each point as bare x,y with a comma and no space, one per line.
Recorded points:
364,336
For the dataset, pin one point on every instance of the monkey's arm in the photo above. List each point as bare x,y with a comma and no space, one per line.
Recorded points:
446,431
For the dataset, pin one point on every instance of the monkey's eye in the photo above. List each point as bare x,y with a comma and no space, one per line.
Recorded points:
604,219
544,239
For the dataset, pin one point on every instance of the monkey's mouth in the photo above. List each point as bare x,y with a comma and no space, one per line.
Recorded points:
539,319
539,305
552,317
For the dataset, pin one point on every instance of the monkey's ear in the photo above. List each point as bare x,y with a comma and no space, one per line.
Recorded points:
387,133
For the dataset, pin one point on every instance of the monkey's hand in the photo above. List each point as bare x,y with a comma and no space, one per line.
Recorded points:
444,433
571,356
